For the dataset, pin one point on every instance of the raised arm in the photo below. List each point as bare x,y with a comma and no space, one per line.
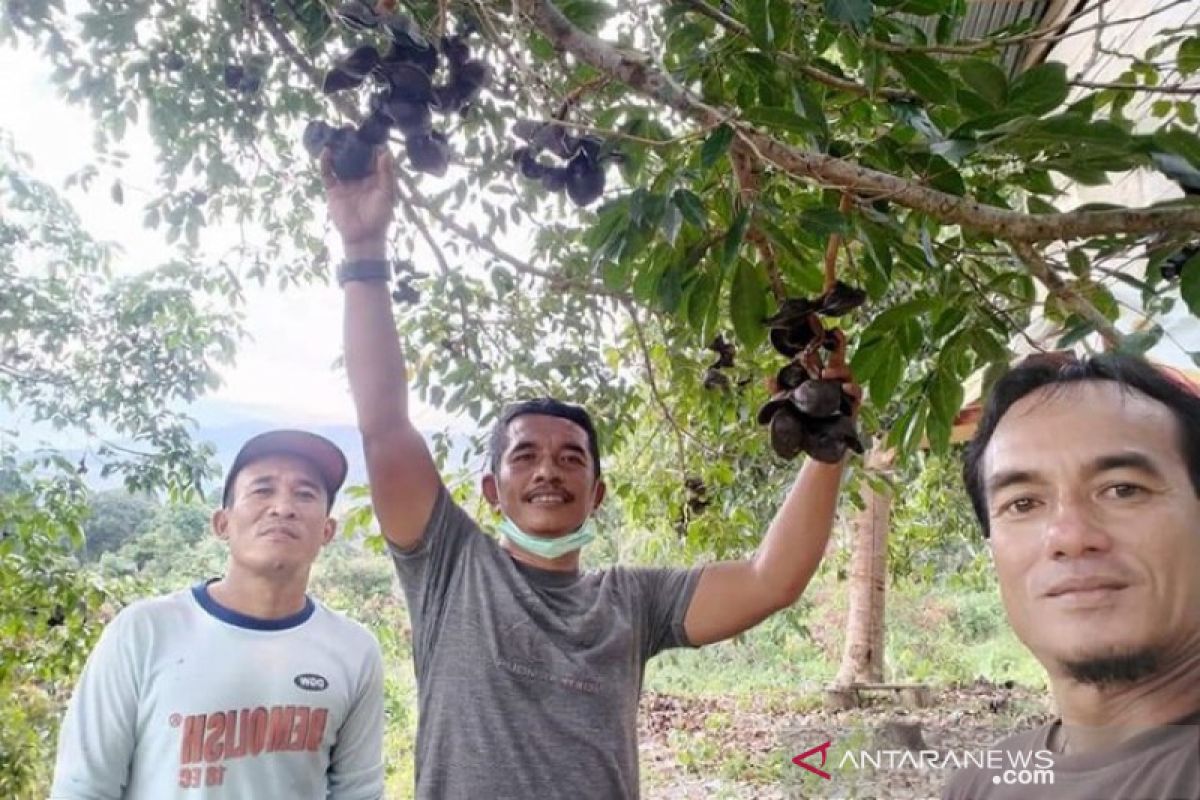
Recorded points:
735,595
403,477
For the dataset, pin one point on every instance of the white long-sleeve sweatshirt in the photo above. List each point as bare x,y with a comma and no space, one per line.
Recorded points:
185,699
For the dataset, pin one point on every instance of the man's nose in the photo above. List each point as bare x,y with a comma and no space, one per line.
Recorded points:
1074,530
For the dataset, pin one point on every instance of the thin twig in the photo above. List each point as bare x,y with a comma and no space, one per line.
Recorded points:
1044,34
1175,88
1041,269
831,250
641,339
808,70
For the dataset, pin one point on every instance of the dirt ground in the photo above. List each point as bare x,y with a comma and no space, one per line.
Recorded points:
714,748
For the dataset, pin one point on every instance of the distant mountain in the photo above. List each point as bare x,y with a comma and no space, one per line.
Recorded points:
226,426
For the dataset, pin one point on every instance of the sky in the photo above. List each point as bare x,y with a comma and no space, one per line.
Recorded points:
284,369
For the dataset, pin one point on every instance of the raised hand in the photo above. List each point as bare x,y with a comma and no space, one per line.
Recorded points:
363,209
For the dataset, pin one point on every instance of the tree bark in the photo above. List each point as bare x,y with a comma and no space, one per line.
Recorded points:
862,656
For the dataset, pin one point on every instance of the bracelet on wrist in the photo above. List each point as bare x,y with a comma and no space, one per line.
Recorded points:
364,269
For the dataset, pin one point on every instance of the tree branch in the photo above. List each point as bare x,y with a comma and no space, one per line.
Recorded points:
1177,88
808,70
1043,35
641,339
1041,269
638,72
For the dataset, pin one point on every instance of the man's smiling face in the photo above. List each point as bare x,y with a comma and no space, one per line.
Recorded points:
1095,526
546,482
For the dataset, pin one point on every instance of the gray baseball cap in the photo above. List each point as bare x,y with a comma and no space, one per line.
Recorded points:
324,455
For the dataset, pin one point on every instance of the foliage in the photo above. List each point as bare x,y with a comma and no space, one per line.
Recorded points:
109,357
114,518
48,614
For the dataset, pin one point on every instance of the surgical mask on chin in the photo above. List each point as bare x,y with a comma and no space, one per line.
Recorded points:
546,547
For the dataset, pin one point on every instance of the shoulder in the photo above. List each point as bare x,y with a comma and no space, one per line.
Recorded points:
978,783
152,611
348,632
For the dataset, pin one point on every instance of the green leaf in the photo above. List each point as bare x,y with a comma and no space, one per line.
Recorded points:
692,208
1189,56
1189,284
855,13
886,378
758,20
945,396
715,146
1141,342
823,221
781,118
1180,142
924,76
1039,90
748,303
986,79
733,238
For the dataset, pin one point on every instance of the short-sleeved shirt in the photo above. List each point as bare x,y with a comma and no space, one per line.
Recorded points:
528,680
1162,763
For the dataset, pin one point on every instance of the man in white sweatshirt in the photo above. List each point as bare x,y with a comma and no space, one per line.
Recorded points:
242,686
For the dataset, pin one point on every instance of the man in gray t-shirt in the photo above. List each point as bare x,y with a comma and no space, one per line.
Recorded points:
528,669
1085,476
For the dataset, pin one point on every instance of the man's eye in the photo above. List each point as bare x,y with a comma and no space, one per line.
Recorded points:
1022,505
261,490
1123,491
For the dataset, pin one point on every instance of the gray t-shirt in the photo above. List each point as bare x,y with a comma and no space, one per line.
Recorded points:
528,680
1162,763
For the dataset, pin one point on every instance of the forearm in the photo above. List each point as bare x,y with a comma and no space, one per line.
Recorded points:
799,534
374,357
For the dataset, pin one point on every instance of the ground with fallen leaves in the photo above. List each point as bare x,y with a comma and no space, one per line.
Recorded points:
721,747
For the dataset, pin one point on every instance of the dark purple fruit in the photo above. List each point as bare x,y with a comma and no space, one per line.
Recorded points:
173,62
585,180
408,82
352,157
232,75
374,129
1172,267
405,32
819,398
337,80
725,352
828,440
317,134
841,299
788,433
359,62
469,80
790,341
456,51
791,376
554,179
250,83
357,15
429,153
425,58
791,312
405,294
411,118
777,401
715,379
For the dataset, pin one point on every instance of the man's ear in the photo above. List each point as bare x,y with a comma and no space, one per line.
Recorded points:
491,491
330,531
220,524
599,493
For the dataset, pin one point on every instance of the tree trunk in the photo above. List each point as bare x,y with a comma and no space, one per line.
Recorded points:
862,658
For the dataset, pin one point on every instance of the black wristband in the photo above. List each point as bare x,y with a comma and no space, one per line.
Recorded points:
364,269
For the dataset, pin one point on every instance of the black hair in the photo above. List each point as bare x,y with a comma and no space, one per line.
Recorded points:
1131,373
545,406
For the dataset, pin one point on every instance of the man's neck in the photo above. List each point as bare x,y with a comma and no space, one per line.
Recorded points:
567,562
1100,717
260,597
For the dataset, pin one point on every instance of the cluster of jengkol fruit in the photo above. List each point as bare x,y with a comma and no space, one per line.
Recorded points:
714,378
405,293
582,158
808,413
407,95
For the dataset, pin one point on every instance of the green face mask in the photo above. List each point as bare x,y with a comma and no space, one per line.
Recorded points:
547,548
